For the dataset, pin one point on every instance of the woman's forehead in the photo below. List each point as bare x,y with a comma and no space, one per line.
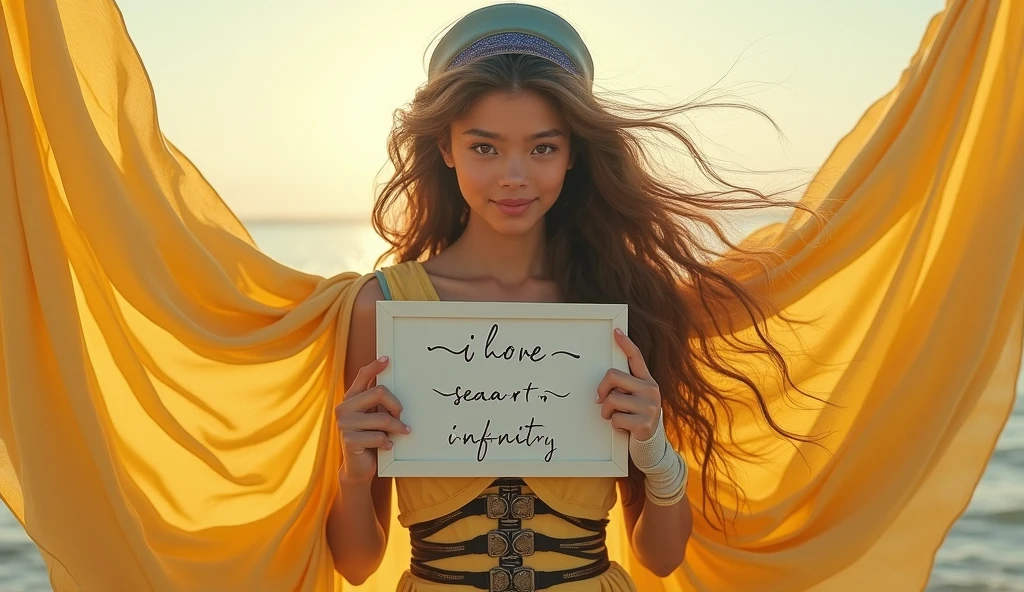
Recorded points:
520,114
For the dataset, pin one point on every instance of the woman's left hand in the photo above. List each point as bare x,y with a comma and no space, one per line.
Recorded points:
631,401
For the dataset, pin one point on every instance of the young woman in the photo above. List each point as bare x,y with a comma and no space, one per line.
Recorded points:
514,183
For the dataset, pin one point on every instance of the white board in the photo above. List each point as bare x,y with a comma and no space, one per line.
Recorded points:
531,371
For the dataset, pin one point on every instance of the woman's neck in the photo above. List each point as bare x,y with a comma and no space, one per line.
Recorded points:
509,259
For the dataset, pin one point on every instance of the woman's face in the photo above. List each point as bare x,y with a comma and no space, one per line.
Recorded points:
510,153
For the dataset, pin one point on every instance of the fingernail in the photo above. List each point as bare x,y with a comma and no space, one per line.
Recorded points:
618,331
382,359
406,428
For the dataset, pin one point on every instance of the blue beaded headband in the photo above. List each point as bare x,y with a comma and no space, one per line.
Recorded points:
520,43
512,28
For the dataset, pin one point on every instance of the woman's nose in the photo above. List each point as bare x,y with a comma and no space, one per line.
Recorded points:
514,174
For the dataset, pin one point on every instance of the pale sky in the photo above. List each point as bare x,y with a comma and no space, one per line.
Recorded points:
285,107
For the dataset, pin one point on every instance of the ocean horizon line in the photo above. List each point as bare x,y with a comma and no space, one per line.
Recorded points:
310,219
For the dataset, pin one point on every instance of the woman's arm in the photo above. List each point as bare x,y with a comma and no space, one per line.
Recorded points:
658,534
658,530
358,537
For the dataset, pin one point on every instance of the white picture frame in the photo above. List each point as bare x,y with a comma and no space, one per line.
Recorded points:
445,380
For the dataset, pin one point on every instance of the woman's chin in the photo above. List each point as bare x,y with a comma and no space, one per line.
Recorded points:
514,226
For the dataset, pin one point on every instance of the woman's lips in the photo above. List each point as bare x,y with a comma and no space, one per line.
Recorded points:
514,207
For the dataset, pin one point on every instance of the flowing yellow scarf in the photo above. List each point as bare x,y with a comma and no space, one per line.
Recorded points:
167,389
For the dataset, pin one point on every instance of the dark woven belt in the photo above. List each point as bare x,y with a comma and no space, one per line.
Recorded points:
509,543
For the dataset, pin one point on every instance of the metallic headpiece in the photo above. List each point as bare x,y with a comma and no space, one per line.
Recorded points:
512,28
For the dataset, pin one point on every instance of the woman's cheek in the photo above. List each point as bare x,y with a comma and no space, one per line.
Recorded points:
553,177
472,178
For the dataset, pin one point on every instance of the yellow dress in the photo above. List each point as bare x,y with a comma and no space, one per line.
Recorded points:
424,499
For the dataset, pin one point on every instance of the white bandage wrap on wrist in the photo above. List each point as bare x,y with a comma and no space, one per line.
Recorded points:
666,472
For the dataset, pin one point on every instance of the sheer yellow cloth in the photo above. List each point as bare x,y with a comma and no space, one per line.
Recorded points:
168,389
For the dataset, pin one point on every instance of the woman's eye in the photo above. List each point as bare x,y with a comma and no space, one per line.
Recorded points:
488,150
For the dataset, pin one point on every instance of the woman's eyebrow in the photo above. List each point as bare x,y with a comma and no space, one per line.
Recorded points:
475,131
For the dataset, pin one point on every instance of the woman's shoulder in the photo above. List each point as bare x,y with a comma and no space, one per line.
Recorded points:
367,297
408,280
361,347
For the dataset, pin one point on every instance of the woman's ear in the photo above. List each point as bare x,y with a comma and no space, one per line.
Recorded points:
445,148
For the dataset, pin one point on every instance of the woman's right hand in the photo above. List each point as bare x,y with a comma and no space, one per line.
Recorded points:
366,417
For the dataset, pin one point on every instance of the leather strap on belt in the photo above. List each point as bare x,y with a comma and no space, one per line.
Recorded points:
516,579
501,543
499,506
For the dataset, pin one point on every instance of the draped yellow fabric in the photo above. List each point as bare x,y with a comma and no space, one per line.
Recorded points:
167,389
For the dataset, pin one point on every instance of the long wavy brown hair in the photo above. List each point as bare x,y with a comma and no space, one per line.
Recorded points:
618,233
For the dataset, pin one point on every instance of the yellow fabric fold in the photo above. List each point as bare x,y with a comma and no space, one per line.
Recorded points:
167,389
